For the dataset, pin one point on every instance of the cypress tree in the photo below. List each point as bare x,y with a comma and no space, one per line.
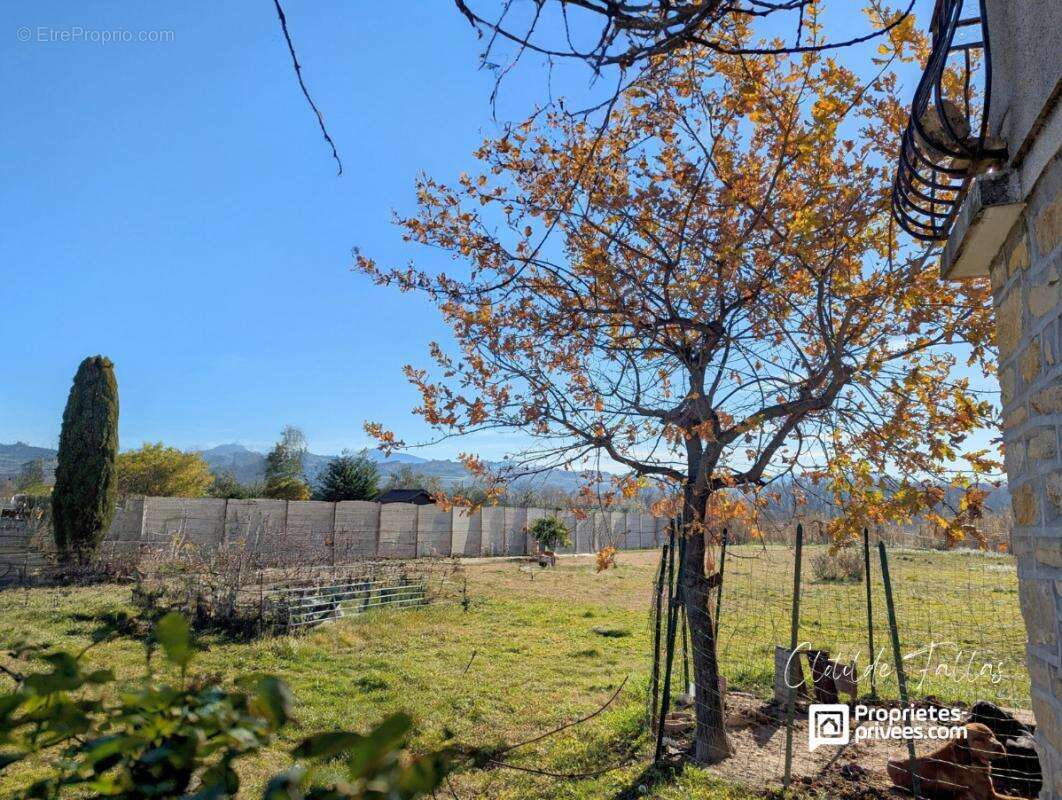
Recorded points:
83,499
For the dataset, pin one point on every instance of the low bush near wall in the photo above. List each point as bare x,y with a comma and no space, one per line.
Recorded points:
232,591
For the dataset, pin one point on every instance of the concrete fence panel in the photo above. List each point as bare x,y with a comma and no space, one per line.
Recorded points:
434,531
258,525
356,530
634,530
599,530
467,537
309,531
128,521
533,515
493,530
515,531
647,525
617,529
197,522
570,521
398,531
317,532
584,535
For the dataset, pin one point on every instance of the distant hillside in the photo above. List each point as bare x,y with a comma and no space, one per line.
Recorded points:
248,466
14,456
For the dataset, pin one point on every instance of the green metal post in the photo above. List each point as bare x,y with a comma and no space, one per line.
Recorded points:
660,611
901,677
870,616
793,633
669,658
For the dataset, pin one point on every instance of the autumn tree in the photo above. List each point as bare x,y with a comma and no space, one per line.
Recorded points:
710,295
629,36
155,470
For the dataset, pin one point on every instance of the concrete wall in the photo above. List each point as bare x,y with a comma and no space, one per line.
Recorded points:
318,532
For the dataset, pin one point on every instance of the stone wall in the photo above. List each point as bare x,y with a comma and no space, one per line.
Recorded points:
1026,283
317,532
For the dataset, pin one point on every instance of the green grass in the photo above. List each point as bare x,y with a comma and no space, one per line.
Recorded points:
538,649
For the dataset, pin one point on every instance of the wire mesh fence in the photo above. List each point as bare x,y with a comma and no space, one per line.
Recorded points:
376,585
955,636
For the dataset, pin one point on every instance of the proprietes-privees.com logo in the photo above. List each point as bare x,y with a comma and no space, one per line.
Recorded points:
832,724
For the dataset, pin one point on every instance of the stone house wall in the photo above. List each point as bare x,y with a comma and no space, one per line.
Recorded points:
1026,290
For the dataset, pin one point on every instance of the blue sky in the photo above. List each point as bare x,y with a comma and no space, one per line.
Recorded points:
172,205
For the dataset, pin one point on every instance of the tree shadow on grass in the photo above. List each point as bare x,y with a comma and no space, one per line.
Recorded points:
652,776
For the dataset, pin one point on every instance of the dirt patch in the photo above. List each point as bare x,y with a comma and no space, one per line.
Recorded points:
757,733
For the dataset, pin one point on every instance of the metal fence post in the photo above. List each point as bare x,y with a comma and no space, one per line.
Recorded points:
669,658
793,633
659,600
870,615
901,677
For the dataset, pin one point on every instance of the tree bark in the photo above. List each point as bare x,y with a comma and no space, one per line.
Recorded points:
710,744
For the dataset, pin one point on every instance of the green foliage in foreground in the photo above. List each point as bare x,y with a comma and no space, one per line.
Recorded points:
163,740
85,492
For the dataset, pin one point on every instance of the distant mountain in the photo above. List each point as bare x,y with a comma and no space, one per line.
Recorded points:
248,466
14,456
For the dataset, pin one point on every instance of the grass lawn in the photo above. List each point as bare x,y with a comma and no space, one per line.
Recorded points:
537,649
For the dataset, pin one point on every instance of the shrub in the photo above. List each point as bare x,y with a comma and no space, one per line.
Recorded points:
162,740
550,532
84,496
842,566
159,471
348,478
226,486
287,488
30,478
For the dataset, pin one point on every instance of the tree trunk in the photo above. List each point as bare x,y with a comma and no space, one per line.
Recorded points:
711,743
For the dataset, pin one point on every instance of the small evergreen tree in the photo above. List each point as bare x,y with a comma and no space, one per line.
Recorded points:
348,477
85,477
